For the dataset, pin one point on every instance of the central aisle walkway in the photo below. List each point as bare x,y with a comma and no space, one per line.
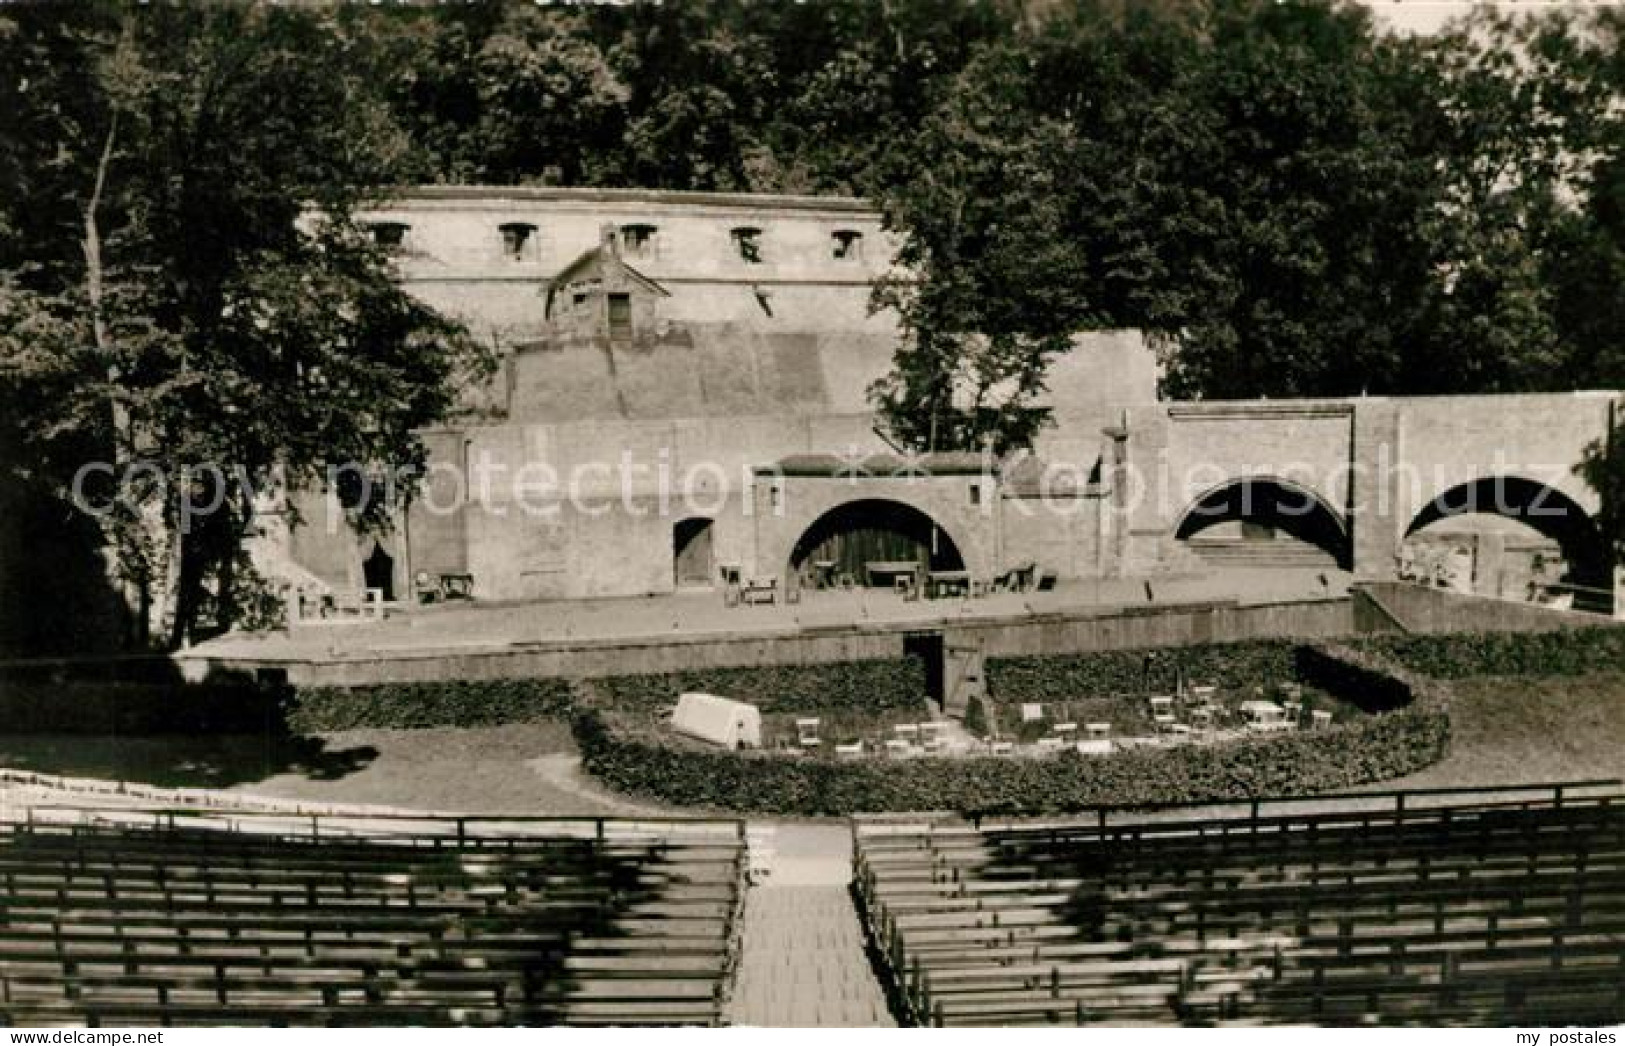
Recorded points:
802,963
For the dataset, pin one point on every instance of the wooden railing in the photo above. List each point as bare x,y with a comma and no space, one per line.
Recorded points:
429,829
1397,801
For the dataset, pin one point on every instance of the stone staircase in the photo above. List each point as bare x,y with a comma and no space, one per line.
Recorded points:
1278,553
802,961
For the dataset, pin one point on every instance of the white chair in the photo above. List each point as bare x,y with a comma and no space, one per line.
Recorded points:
1097,731
853,749
1002,747
1162,705
807,733
898,747
1204,694
909,732
1320,718
1032,713
760,846
1164,723
1066,730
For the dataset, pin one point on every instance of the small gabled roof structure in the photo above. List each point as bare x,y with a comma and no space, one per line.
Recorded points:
602,265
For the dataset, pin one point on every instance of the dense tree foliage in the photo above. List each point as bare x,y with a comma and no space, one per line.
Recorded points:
1291,201
188,317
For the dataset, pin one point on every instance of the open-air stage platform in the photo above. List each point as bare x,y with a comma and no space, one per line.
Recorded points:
695,629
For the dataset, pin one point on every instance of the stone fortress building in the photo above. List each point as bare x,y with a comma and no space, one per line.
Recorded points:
682,394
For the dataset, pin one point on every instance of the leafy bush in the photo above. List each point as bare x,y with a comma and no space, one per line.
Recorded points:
469,702
1460,654
631,755
1070,677
115,707
976,717
1111,686
841,725
860,686
41,700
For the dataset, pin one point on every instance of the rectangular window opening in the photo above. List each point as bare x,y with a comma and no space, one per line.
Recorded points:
748,241
620,315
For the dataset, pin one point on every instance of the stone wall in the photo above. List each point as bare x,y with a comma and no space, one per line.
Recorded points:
752,362
1418,608
1152,626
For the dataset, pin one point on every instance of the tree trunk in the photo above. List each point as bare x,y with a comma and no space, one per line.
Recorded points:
130,579
172,611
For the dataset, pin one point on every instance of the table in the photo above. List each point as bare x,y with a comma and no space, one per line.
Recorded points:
942,582
1018,578
1264,715
889,569
823,573
433,588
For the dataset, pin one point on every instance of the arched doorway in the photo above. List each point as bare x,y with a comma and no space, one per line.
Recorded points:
378,571
1512,537
850,537
1265,521
693,559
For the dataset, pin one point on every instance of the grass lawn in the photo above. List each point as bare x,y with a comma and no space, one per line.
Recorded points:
520,768
1505,731
1523,729
525,768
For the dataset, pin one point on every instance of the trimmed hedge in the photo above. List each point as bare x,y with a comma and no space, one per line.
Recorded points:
1359,678
94,706
633,757
100,707
466,702
976,717
861,686
1069,677
1456,655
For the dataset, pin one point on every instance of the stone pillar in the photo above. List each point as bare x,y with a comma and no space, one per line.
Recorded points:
1113,514
1143,499
1489,564
1374,507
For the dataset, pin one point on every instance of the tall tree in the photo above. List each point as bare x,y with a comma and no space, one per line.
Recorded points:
229,328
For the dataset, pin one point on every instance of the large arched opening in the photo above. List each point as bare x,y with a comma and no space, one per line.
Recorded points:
1511,537
850,538
1265,521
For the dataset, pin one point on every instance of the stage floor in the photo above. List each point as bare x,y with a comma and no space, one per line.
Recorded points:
474,626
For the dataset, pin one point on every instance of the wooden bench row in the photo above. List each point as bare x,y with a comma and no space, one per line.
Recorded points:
105,925
1507,911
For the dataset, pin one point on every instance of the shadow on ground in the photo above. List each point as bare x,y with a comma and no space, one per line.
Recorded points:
184,761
